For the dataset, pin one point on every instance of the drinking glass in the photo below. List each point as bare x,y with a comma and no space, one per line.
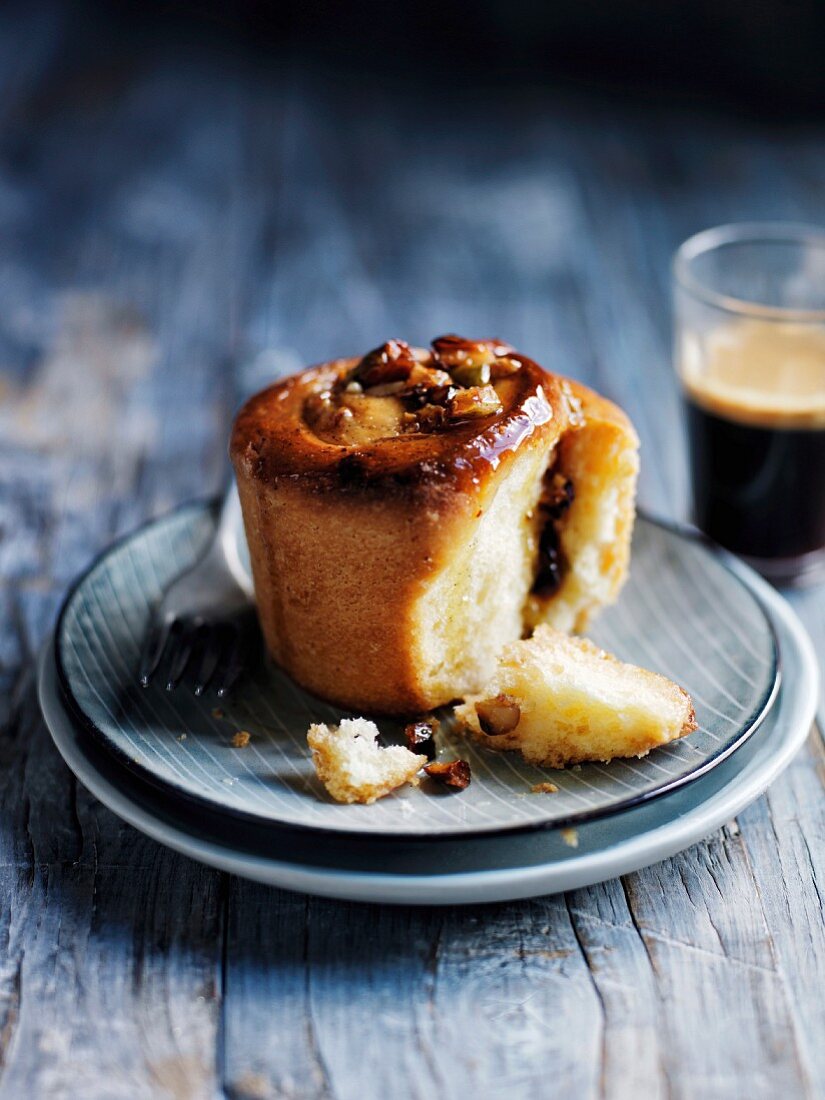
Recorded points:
749,351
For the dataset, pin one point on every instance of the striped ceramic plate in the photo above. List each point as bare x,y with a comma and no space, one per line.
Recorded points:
682,613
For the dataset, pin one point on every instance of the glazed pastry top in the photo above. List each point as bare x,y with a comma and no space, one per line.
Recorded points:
405,413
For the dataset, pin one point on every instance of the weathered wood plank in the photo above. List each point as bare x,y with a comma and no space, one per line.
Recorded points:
784,832
111,981
711,949
633,1056
359,1001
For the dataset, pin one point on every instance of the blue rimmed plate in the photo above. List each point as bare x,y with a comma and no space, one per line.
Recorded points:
683,613
467,870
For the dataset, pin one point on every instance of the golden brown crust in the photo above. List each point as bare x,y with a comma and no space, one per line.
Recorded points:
346,543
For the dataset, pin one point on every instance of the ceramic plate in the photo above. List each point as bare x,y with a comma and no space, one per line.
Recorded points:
493,868
683,613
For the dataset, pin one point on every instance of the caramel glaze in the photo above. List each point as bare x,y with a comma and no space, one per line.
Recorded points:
272,439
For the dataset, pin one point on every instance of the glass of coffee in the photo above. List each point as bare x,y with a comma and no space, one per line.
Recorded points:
749,350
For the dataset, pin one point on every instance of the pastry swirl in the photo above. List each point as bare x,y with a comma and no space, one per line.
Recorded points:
409,512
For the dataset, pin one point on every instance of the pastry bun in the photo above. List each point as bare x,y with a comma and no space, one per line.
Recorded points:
410,512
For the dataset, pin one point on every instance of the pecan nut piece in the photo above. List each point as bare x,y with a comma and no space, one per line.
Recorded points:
503,367
419,738
455,774
431,418
456,351
499,715
472,374
474,403
392,362
428,377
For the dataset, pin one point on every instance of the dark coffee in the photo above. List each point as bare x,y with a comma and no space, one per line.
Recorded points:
755,396
758,489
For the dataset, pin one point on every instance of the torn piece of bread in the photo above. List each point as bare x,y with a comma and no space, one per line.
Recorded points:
561,700
354,767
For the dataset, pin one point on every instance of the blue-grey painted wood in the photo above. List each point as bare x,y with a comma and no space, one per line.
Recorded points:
175,231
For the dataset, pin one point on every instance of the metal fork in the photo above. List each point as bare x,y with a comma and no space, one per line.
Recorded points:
205,616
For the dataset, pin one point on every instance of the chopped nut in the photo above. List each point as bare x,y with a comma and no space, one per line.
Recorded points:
475,402
392,362
428,377
241,739
455,351
499,715
441,395
452,773
472,374
570,838
544,788
387,389
353,387
318,408
323,413
431,417
419,738
503,367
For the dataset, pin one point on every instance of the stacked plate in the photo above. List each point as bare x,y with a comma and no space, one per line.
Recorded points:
166,763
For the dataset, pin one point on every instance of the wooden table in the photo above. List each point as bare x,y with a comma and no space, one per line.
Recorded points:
177,227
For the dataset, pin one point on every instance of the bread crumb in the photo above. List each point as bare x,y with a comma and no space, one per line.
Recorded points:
354,767
560,701
544,788
241,739
570,838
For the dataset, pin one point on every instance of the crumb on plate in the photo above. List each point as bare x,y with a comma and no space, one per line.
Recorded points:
354,767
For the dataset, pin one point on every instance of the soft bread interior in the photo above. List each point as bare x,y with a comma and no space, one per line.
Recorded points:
354,767
475,602
575,702
482,597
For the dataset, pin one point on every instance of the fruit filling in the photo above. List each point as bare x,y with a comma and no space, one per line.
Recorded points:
558,493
